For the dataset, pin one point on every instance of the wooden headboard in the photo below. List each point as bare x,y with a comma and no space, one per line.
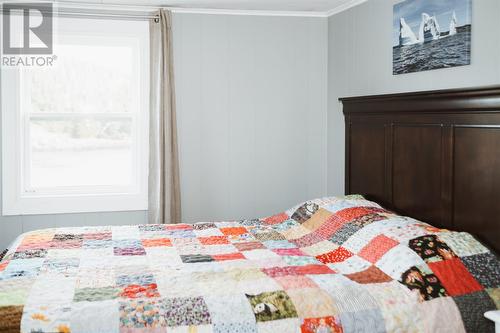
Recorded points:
434,156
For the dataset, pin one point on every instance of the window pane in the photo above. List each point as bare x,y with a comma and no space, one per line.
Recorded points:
85,79
80,151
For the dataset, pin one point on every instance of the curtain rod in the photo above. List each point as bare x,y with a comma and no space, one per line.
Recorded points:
67,12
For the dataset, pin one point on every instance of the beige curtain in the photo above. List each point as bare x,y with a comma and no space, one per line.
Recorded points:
164,189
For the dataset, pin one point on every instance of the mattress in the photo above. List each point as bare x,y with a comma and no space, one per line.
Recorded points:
339,264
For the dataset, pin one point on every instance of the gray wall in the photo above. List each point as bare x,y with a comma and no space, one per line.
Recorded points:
360,63
252,99
252,102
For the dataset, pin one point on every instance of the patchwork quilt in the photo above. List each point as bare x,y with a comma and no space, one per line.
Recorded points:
341,264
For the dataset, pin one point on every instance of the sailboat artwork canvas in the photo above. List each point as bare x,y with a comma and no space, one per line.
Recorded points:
431,34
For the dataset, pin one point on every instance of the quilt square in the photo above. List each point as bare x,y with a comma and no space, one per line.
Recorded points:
30,254
180,226
365,220
319,218
268,236
231,308
344,233
295,232
472,308
208,232
435,310
422,280
349,214
248,246
66,266
156,242
103,235
69,244
328,324
312,302
130,251
228,256
281,325
140,291
184,311
234,231
95,278
351,265
96,294
195,258
67,237
307,240
141,314
14,313
272,306
219,249
304,212
97,243
363,321
398,260
377,247
484,268
204,226
331,226
15,291
279,244
260,254
369,275
288,224
128,247
300,260
289,252
295,282
338,255
243,238
214,240
141,279
235,327
455,278
151,227
319,248
105,317
180,233
462,243
431,248
348,296
22,268
275,219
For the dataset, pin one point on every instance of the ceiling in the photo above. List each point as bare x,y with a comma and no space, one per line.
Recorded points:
297,7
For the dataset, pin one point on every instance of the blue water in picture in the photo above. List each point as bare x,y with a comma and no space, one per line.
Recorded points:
449,51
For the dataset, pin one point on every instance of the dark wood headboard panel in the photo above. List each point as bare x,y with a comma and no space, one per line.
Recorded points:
434,156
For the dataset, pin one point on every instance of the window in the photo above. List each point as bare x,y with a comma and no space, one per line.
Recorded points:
75,134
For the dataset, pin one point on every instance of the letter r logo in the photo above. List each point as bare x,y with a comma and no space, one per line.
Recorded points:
27,28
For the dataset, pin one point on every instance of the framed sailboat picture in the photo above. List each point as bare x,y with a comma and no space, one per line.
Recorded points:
429,34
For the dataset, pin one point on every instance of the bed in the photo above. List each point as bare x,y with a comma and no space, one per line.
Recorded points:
336,264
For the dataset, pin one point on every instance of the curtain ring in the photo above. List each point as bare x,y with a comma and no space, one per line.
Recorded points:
157,19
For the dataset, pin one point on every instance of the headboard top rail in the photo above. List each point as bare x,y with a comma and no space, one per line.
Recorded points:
484,99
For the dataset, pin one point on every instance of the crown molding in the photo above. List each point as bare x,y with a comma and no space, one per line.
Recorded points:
344,7
88,6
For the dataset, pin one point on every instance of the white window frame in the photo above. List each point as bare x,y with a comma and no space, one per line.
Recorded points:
17,198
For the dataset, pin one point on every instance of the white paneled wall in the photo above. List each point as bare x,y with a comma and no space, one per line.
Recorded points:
252,102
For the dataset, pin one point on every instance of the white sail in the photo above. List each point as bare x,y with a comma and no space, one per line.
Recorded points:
453,24
406,35
429,29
